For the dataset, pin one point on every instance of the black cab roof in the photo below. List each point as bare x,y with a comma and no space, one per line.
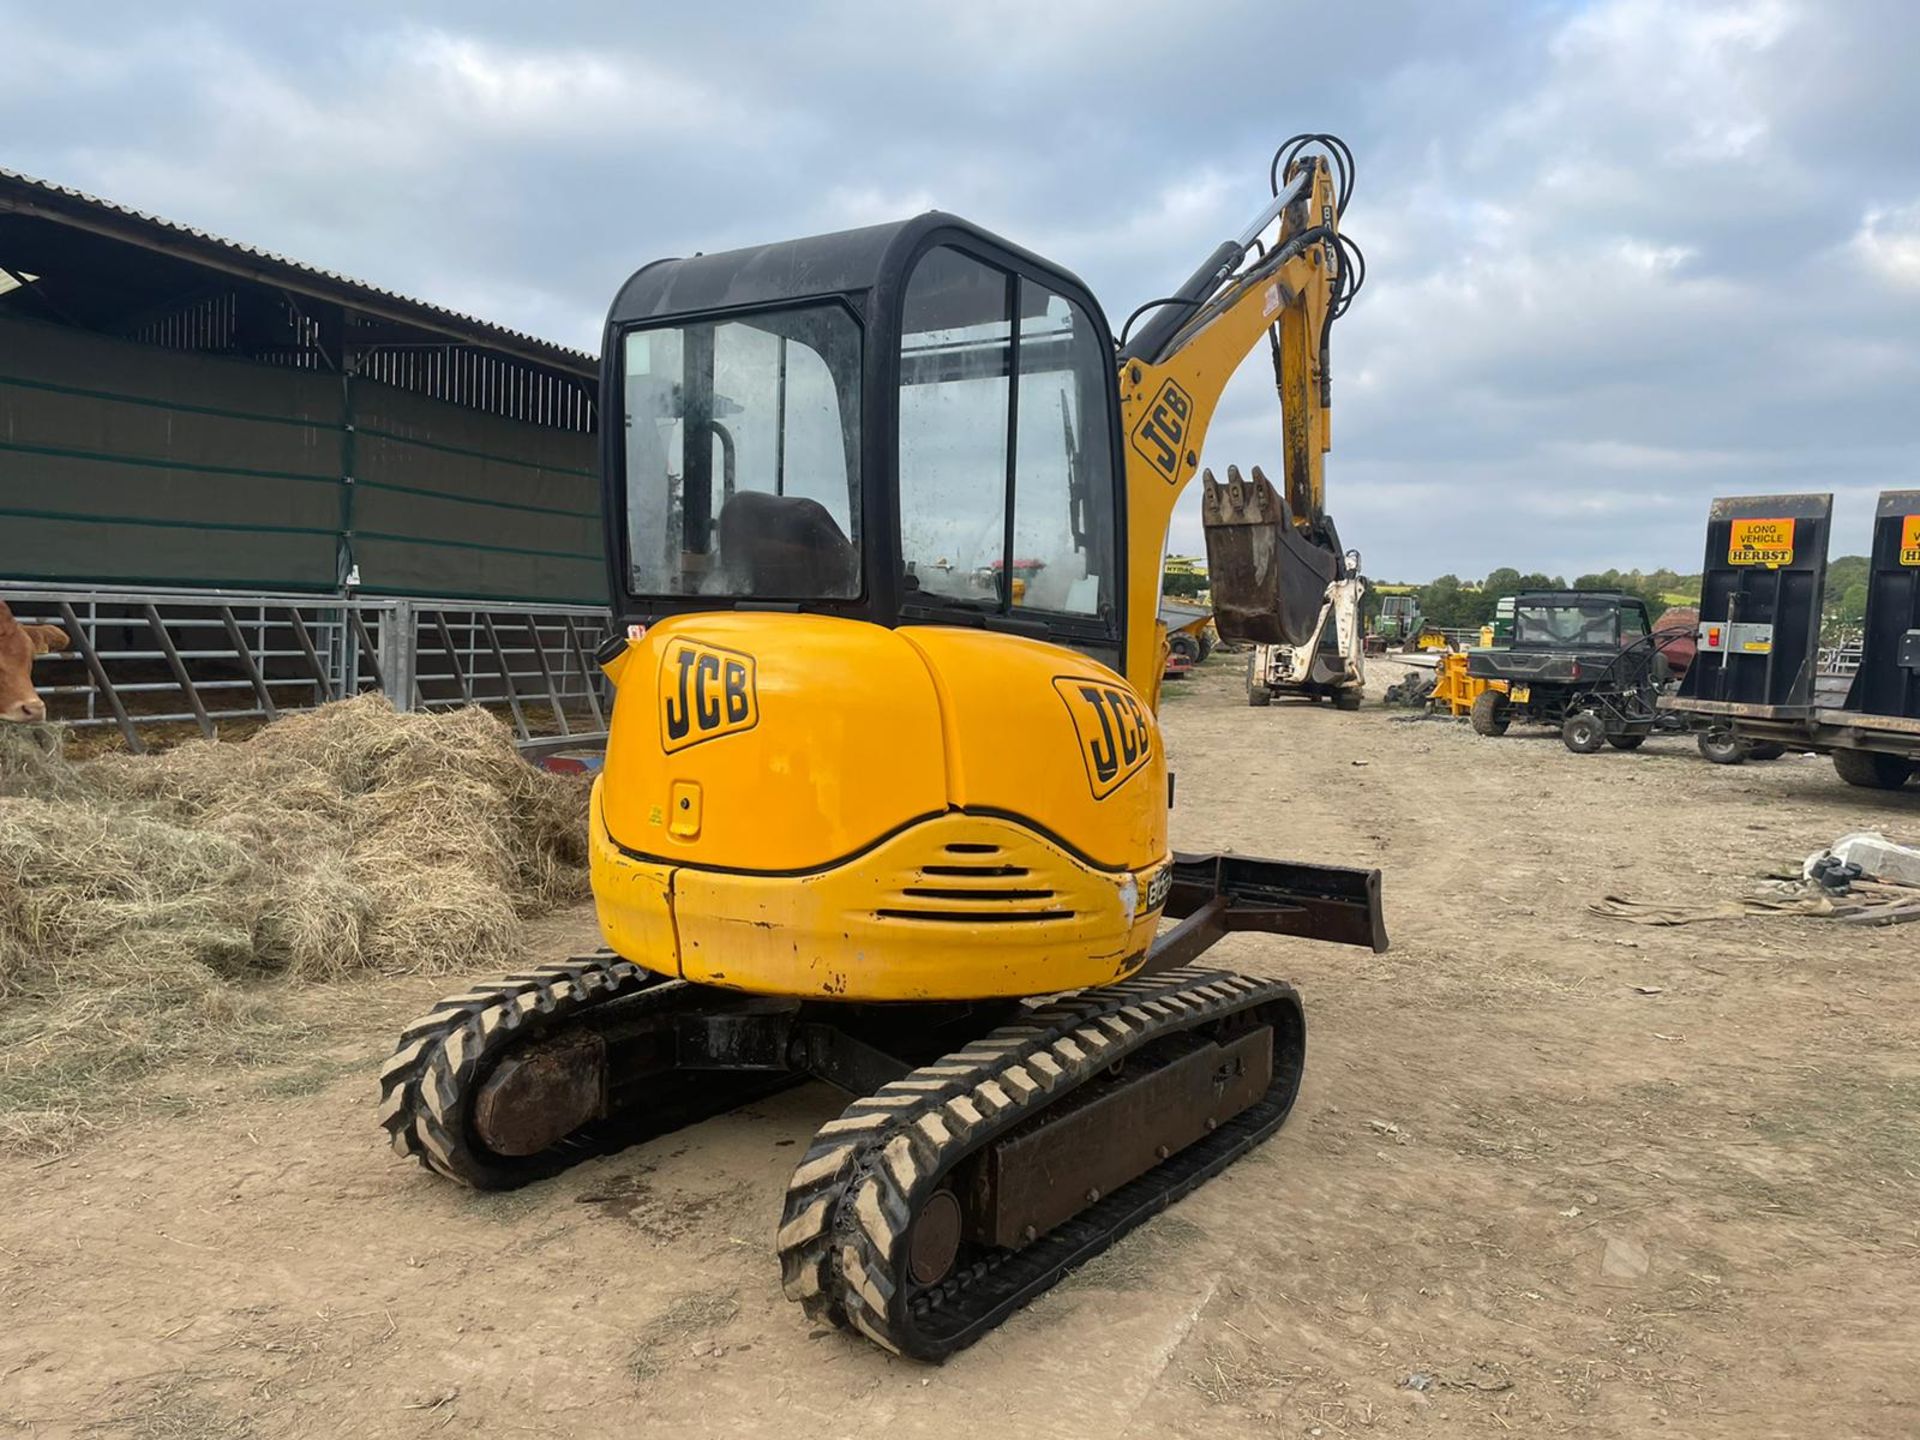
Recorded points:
874,257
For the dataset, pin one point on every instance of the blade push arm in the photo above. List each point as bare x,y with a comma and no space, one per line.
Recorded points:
1172,376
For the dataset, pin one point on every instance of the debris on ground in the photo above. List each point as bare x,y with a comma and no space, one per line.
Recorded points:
1654,912
1872,856
1861,903
1833,875
1481,1375
1411,691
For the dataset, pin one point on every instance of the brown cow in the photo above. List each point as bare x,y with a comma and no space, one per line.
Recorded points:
18,646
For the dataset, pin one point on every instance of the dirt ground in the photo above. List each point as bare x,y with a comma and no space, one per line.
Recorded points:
1551,1173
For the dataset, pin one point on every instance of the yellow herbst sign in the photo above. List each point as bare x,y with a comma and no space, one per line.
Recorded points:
1910,540
1761,542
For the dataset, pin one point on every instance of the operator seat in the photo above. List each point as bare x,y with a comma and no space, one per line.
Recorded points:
785,547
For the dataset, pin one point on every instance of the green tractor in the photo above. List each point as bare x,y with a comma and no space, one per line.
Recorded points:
1397,624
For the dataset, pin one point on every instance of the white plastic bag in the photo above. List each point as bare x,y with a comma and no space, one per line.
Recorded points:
1879,858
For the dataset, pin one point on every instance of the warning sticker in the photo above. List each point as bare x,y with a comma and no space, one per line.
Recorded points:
1910,540
1761,542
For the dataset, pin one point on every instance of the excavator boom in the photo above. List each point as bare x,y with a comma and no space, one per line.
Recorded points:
1271,550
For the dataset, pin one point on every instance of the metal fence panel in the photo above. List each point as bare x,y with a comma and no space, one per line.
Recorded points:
152,662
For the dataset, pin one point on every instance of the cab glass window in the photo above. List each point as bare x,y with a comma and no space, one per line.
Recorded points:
1007,491
1566,623
743,456
1063,482
955,349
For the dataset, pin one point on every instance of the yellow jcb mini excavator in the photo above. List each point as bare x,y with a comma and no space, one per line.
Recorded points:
885,802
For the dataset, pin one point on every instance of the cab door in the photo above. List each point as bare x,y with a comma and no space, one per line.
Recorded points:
1008,490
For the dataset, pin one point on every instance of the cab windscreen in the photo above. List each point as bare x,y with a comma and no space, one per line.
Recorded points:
743,456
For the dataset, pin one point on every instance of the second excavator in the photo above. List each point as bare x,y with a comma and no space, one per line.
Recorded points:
885,800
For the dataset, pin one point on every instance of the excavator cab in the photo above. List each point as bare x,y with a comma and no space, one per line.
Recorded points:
885,800
905,424
865,509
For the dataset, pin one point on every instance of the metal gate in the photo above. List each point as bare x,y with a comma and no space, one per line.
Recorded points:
1762,583
162,662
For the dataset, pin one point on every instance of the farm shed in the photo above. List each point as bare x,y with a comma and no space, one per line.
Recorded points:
182,410
243,484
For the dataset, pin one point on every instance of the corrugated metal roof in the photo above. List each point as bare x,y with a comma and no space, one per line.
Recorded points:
26,194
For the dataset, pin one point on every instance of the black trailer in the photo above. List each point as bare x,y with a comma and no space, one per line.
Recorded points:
1754,680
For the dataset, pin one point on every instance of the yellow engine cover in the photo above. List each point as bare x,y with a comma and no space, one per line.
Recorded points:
804,805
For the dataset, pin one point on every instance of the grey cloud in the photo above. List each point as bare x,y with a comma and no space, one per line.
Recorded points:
1626,255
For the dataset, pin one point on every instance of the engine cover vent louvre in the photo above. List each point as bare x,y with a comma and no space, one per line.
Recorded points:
938,892
976,917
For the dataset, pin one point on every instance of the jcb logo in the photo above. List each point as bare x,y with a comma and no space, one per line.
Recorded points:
705,692
1162,431
1116,737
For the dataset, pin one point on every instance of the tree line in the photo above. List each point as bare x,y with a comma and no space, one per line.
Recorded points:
1456,604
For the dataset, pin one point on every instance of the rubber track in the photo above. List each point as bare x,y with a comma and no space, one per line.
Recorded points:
849,1205
426,1088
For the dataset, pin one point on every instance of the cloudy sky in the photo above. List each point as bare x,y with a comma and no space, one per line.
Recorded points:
1624,255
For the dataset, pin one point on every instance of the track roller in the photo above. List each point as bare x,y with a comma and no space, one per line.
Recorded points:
512,1082
932,1209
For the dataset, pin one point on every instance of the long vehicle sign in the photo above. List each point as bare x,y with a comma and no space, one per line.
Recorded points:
1761,542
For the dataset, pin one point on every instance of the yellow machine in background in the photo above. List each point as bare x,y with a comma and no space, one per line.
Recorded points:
1454,690
886,511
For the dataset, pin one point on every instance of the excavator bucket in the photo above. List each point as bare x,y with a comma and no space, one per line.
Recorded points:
1269,578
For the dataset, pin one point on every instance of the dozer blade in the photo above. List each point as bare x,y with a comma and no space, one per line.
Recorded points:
1269,578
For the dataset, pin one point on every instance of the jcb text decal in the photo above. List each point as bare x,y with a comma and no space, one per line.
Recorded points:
1910,540
705,692
1161,435
1761,542
1116,735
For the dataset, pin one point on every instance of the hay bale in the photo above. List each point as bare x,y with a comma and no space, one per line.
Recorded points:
336,840
333,841
339,841
33,761
90,893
